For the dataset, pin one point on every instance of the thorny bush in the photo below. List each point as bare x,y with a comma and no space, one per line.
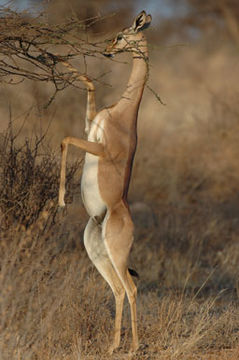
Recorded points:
29,179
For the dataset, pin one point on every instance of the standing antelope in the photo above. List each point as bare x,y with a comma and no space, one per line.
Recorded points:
110,149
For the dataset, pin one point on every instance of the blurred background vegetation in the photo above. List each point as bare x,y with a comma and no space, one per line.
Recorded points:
184,18
184,193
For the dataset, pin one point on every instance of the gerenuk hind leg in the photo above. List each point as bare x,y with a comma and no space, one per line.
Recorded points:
97,253
118,238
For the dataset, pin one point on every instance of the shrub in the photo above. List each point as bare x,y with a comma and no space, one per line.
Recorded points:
29,179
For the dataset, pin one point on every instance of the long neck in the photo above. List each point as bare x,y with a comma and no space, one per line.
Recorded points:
138,76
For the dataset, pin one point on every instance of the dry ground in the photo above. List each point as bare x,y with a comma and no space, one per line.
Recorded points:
184,198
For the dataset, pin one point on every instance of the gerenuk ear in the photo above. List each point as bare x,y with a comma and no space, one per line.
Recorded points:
141,22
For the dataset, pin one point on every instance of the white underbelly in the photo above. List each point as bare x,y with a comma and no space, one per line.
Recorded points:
90,193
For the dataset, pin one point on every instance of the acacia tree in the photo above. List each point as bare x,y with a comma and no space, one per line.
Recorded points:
32,48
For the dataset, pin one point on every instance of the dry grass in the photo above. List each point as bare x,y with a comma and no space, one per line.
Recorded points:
185,204
55,305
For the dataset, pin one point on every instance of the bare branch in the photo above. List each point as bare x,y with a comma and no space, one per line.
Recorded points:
32,48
